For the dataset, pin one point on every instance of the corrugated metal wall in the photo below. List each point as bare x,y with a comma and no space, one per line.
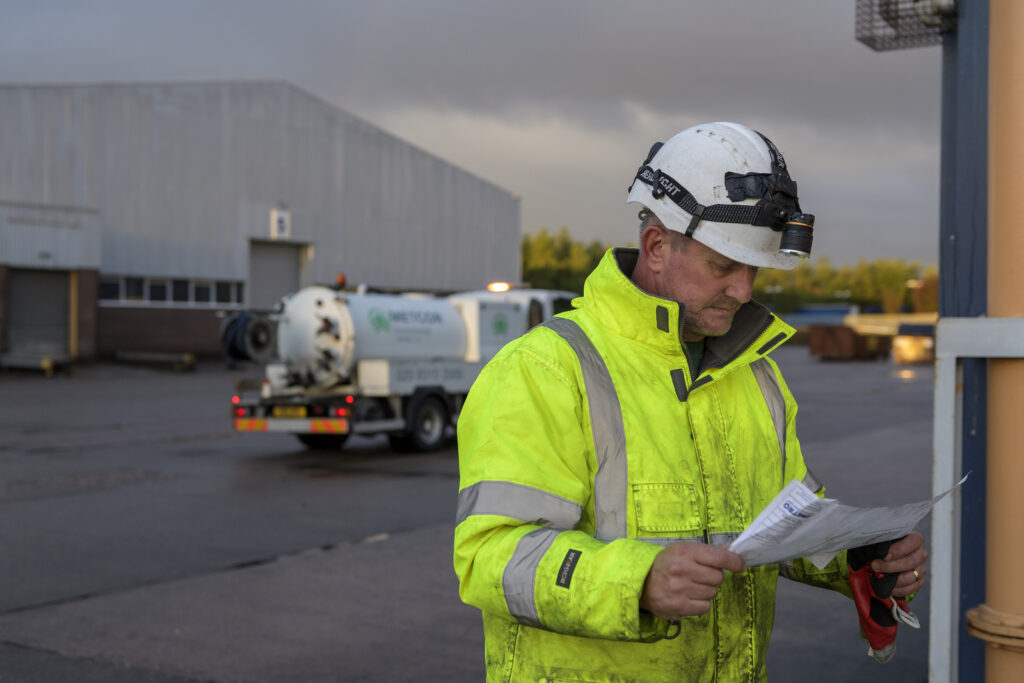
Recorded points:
183,176
38,236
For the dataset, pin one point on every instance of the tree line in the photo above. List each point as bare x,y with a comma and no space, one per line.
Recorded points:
556,261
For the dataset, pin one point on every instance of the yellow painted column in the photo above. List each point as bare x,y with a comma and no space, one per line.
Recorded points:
1000,621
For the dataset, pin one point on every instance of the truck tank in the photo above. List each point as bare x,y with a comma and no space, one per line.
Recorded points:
322,333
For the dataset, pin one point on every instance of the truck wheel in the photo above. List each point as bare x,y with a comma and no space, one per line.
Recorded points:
427,423
322,442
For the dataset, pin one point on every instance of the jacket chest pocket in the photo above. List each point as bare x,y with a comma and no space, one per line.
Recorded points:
667,508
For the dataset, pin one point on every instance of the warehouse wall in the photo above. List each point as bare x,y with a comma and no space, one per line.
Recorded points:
155,193
184,175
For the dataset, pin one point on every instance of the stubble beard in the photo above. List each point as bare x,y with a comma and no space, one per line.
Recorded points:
693,325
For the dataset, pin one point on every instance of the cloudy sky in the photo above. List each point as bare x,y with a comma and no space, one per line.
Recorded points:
555,100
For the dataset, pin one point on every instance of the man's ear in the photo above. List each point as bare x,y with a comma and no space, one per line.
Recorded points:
654,245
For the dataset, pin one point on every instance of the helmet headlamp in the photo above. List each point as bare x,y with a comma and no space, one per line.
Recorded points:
797,235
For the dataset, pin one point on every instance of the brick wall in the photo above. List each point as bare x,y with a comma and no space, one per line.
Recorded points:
171,330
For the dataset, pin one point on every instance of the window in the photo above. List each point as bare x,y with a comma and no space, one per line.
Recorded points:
179,290
201,292
110,288
133,289
224,293
561,305
161,291
158,290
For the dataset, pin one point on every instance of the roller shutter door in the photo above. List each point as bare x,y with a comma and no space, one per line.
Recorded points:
37,307
273,272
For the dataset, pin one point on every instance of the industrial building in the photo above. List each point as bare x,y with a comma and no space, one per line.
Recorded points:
134,217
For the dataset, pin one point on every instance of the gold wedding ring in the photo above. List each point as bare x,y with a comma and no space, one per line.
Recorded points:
917,576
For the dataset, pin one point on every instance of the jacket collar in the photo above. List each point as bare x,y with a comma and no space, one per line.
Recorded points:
618,304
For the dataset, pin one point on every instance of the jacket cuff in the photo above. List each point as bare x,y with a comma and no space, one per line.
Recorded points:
649,627
652,628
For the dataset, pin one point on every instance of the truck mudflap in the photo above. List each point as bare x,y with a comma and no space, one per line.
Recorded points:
292,425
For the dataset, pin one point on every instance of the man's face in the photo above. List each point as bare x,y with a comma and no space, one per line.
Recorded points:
711,286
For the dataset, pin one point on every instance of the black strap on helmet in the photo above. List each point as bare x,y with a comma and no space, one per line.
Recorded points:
776,193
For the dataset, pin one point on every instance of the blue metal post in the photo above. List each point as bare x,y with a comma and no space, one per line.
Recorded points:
963,261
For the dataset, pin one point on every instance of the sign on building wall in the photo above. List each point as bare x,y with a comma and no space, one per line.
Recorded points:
280,224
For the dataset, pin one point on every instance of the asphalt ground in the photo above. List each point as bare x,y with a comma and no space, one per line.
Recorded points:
145,541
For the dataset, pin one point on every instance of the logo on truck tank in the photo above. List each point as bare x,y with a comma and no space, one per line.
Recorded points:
500,325
379,320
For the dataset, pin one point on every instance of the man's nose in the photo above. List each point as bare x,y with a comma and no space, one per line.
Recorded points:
741,284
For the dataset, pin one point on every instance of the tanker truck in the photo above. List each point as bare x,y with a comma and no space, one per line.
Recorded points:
363,363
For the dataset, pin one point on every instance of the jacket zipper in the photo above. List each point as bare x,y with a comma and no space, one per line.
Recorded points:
703,482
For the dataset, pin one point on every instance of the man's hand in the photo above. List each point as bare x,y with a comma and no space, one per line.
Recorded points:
909,558
685,577
879,586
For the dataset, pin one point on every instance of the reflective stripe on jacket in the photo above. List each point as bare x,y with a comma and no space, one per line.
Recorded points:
586,446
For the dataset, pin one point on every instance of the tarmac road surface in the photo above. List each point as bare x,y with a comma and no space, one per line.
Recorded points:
145,541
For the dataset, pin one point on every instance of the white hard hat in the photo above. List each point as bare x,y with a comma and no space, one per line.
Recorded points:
726,186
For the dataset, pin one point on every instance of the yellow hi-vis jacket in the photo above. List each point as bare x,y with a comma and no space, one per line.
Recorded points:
578,466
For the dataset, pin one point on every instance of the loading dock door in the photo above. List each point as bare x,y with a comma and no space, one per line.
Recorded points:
37,306
273,272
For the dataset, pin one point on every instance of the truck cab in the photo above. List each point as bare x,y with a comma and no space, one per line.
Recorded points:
541,304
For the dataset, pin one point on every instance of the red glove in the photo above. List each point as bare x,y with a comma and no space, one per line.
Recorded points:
879,612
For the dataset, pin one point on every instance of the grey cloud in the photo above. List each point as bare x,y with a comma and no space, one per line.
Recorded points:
861,128
589,60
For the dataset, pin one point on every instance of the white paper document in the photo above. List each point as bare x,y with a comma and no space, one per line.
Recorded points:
799,524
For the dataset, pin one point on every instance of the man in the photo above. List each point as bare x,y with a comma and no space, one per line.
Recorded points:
608,457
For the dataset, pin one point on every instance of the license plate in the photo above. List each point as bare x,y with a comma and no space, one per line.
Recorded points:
289,411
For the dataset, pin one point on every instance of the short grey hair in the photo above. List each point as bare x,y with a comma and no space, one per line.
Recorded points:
648,218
